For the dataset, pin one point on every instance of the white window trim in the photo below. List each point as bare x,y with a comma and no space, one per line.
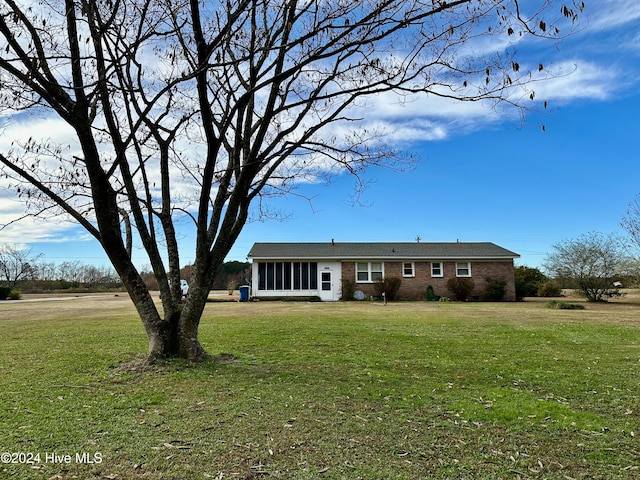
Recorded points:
413,270
468,267
441,270
368,272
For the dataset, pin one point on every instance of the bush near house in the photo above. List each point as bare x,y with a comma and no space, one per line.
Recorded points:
495,290
528,281
461,288
348,290
389,286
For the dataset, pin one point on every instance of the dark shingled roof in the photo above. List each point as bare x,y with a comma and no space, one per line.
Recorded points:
414,250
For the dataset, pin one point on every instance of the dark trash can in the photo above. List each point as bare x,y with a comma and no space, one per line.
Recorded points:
244,293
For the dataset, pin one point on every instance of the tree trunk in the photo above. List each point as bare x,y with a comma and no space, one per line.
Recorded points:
176,333
176,336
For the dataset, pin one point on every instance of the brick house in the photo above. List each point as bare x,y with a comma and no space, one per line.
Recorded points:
317,269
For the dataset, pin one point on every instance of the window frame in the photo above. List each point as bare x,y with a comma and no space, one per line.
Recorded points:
370,272
440,267
467,268
412,267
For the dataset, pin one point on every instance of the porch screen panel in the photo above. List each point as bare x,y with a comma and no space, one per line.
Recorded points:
262,276
270,282
287,276
279,276
313,275
296,276
305,276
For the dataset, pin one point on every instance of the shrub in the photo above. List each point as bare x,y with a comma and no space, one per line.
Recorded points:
389,286
560,305
549,289
15,295
4,292
527,281
431,296
461,288
495,290
444,299
348,290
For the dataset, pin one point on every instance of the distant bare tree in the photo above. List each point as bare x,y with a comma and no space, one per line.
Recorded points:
71,271
631,221
199,109
46,270
16,264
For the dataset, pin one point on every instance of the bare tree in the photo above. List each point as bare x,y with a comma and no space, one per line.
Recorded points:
192,109
592,262
16,264
631,221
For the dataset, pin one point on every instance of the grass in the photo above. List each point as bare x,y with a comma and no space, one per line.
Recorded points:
330,391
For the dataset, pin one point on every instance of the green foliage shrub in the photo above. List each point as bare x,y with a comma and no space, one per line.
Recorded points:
495,290
527,280
389,286
549,288
15,295
348,290
4,292
560,305
461,288
431,296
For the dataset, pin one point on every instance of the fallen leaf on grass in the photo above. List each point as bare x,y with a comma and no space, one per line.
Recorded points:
177,447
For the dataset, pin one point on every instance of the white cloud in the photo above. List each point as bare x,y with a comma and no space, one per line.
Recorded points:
16,229
603,15
579,80
433,118
22,127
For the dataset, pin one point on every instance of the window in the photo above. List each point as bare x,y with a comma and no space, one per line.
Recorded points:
362,274
376,271
326,281
287,276
369,271
463,269
408,269
436,269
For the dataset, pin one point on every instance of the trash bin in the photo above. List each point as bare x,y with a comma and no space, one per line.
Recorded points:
244,293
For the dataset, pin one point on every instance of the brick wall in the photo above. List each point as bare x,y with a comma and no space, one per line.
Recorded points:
415,288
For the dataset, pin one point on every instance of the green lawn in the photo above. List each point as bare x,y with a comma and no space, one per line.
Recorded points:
324,391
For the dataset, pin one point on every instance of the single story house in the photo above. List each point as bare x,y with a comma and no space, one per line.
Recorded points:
317,269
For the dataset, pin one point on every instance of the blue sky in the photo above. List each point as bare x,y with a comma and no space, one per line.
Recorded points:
482,178
521,188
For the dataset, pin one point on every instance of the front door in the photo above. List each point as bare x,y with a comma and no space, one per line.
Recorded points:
326,285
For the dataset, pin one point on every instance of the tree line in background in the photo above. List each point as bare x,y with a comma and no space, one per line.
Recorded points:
22,271
229,277
595,265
